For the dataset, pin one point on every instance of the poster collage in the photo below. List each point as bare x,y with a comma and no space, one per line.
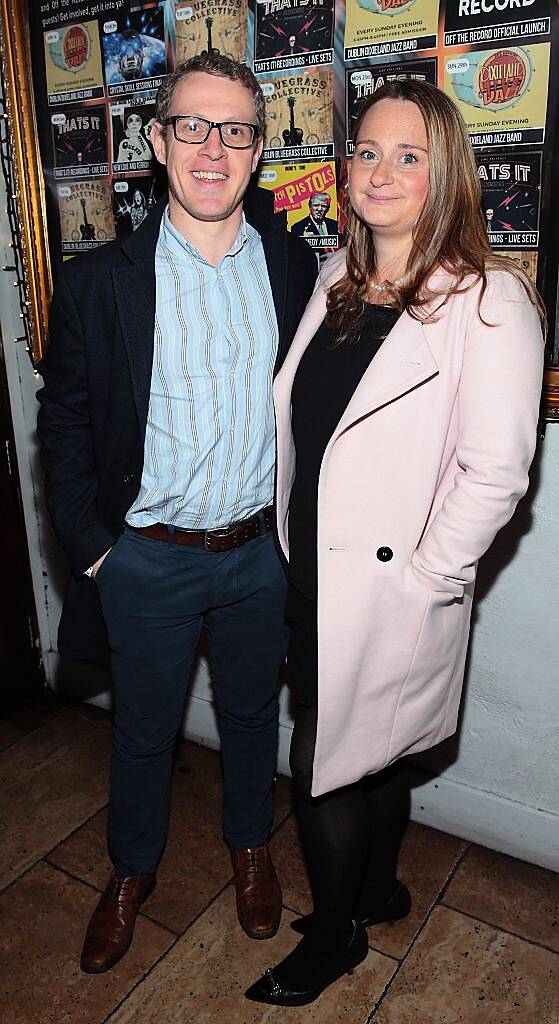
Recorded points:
316,61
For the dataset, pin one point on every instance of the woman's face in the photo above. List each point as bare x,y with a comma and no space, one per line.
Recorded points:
134,124
389,173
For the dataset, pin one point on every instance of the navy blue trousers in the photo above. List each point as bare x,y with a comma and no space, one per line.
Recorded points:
156,596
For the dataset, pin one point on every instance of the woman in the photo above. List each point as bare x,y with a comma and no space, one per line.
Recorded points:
407,410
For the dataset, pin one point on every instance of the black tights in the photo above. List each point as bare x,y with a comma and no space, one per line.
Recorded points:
351,837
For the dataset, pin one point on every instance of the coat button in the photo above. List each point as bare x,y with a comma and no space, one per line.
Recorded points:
385,554
128,478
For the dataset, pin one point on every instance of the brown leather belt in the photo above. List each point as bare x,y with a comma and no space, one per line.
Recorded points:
233,536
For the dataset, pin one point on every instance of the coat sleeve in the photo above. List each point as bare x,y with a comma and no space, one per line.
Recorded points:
64,429
498,408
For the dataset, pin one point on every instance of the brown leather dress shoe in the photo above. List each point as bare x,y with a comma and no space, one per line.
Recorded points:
258,892
111,928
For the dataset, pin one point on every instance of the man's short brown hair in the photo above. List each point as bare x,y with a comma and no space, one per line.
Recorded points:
210,64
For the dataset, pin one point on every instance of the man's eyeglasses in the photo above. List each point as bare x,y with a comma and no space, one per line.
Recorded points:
195,130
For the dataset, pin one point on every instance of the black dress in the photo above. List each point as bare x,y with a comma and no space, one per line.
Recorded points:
325,381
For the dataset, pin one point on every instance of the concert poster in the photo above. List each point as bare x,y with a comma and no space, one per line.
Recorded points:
511,184
73,63
133,199
207,26
134,51
527,261
299,115
501,93
86,215
375,28
293,33
79,142
131,124
363,82
466,23
307,192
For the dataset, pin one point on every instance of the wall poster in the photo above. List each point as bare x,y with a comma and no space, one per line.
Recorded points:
362,82
293,33
375,28
299,113
501,93
307,192
199,25
97,65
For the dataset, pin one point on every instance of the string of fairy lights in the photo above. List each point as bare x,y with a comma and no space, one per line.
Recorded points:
15,265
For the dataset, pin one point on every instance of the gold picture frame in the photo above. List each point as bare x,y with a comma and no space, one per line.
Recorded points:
27,171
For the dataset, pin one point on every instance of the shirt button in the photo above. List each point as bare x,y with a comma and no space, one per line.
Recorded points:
385,554
128,478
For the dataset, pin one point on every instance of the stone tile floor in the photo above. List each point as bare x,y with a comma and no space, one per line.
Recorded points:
481,945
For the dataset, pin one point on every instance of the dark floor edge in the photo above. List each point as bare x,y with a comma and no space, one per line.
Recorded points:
12,743
29,732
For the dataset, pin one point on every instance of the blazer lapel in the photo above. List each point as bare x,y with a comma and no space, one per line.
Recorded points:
258,205
274,244
134,290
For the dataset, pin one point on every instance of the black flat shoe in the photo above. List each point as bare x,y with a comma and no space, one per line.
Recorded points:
397,907
275,988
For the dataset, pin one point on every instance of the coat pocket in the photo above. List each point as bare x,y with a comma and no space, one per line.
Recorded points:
422,706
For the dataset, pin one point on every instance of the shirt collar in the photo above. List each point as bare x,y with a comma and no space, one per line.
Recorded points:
179,245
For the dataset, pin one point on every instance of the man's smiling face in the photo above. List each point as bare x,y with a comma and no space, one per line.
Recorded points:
208,181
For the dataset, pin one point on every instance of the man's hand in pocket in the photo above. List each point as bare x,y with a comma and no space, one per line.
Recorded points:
97,565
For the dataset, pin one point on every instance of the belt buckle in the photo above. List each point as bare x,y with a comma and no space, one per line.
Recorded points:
219,534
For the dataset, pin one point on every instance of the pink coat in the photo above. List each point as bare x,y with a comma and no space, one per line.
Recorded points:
428,461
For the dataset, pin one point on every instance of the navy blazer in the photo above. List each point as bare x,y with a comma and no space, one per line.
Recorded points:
94,403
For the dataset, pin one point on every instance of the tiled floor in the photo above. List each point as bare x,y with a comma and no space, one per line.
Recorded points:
481,945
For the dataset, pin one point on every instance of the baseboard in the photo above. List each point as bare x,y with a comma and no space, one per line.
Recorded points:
480,817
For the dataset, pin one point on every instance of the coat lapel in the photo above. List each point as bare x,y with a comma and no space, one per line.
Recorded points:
134,290
274,244
403,362
258,205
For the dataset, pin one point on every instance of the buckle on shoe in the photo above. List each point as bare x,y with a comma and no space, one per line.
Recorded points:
273,985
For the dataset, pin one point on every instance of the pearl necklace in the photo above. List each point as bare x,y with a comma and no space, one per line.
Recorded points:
388,287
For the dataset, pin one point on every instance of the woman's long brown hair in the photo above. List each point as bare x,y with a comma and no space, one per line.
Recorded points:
450,233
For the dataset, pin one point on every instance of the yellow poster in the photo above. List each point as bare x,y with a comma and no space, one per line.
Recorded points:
73,63
86,215
299,115
307,192
501,93
374,28
205,27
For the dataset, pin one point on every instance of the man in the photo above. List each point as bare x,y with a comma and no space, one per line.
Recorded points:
157,435
317,223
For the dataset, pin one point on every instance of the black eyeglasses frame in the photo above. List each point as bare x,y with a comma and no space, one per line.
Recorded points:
211,124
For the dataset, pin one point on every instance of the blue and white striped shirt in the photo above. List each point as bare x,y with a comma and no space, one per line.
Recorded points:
209,447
